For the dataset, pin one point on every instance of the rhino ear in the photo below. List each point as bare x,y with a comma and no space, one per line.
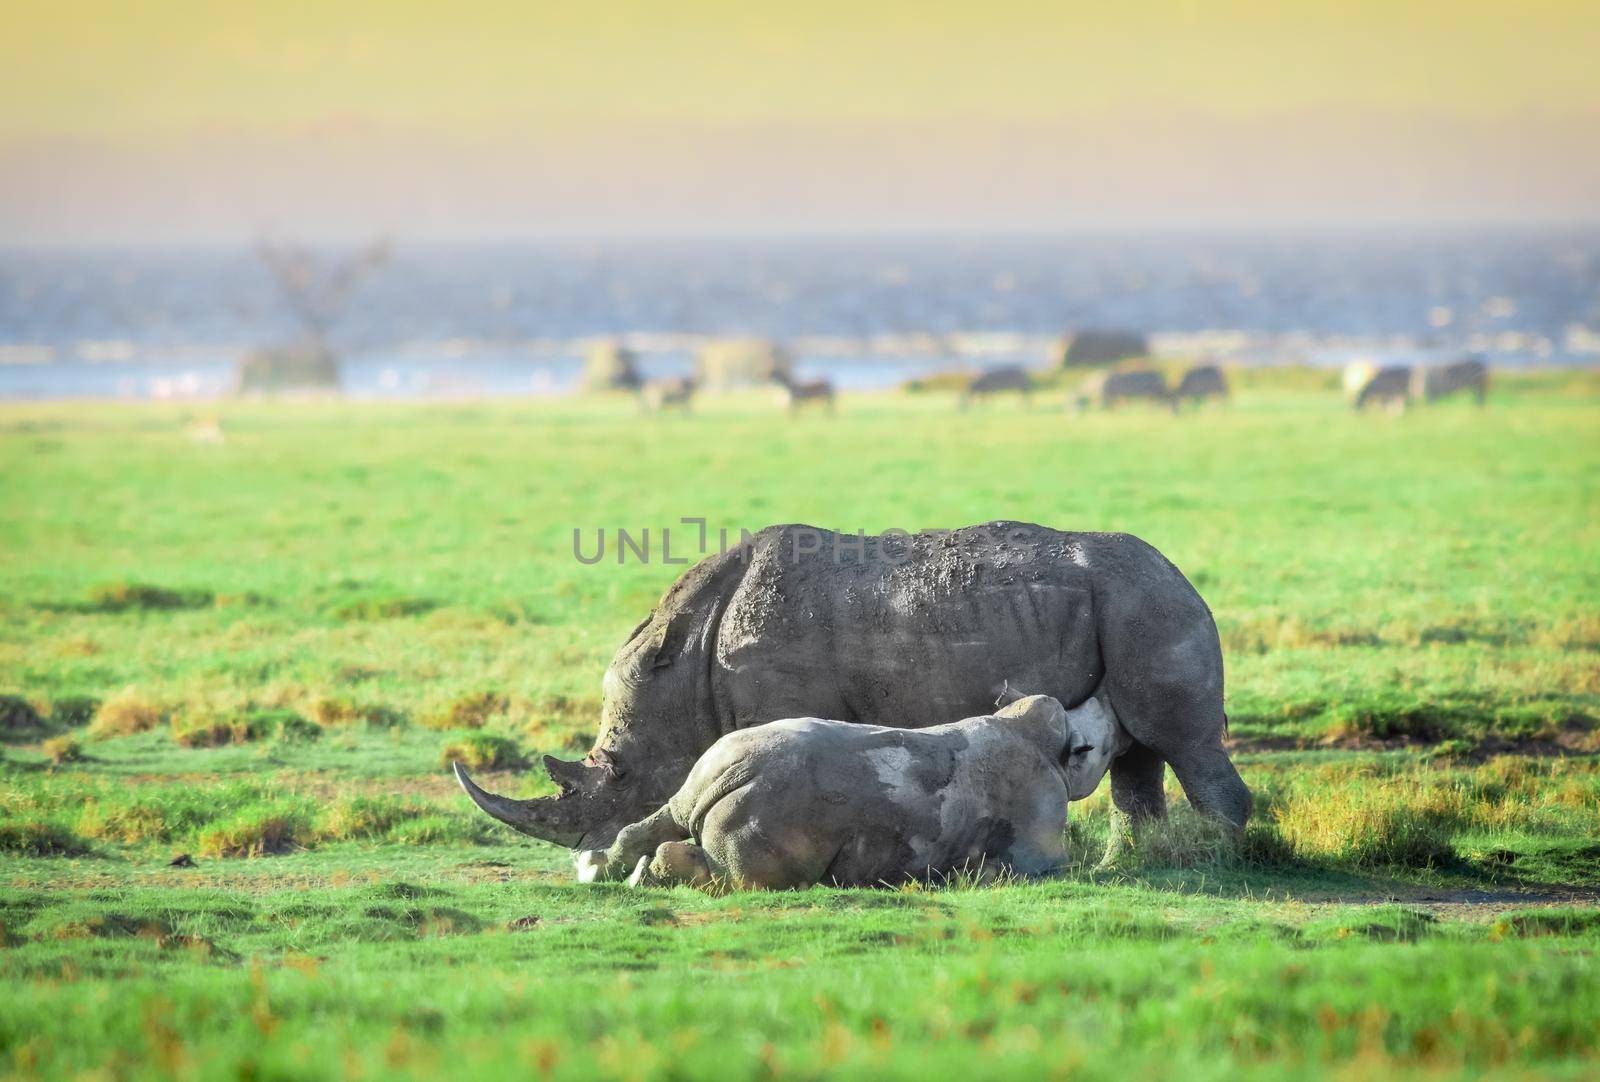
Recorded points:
675,637
640,626
1007,695
649,641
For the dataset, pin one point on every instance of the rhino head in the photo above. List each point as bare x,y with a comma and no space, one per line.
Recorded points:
589,809
655,720
1094,738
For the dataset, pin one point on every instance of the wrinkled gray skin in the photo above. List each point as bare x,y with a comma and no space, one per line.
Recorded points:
803,801
922,630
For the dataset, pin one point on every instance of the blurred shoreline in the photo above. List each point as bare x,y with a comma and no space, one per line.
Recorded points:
455,370
516,319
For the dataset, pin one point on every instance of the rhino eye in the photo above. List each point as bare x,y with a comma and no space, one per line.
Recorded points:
1082,750
615,771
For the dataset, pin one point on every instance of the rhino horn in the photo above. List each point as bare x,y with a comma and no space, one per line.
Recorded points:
557,819
570,774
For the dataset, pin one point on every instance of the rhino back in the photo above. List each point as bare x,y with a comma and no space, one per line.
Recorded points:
918,635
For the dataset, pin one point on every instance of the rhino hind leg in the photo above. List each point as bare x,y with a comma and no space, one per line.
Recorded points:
677,863
1212,783
1164,677
1138,795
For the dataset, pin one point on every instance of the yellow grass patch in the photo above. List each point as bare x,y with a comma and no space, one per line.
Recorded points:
124,714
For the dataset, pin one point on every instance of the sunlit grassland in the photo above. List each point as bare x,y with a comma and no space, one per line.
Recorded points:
524,978
1431,575
256,653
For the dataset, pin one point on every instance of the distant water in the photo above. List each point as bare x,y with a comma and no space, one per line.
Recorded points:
495,320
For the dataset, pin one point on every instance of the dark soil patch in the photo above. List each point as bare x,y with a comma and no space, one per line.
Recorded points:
1479,905
143,597
19,721
1577,735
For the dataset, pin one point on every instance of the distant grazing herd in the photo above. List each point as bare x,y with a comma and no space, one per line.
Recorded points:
754,362
1397,386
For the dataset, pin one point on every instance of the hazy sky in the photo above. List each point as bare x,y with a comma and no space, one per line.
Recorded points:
183,121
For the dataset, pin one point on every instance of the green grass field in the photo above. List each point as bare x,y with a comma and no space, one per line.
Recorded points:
259,655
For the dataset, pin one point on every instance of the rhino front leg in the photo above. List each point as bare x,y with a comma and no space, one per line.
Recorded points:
634,842
1138,795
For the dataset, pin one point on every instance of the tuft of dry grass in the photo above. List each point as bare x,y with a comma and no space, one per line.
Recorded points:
39,838
215,732
468,712
361,818
331,712
257,832
1187,839
1366,813
242,726
1575,633
125,714
1183,839
1265,634
128,823
381,608
1371,826
483,751
62,750
433,829
1359,722
561,722
1527,923
291,728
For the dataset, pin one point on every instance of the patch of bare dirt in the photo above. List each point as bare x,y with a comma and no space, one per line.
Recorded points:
1573,740
1475,905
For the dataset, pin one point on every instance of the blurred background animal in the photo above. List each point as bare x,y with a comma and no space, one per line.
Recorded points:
660,395
611,366
1432,384
1199,383
1110,389
800,392
997,381
1389,386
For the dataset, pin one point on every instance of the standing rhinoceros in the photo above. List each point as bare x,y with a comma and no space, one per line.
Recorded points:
803,801
1431,384
898,630
1199,383
985,385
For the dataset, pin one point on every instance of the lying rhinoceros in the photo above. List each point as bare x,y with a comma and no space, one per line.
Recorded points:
900,630
803,801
